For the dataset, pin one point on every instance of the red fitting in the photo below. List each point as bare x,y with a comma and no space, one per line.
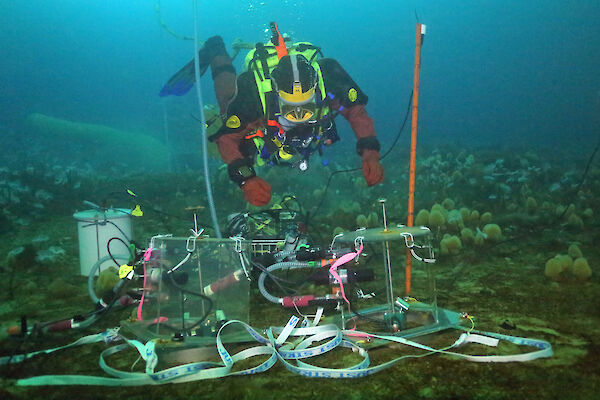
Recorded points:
298,301
60,325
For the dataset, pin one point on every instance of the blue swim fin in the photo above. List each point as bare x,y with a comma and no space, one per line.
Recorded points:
183,80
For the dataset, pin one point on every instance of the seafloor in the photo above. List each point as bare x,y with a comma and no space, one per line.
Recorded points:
543,202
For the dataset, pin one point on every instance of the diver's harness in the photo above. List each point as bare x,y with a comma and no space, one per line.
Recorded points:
276,145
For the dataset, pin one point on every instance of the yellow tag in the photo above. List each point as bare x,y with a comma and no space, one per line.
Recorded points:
137,211
284,154
233,122
125,270
352,95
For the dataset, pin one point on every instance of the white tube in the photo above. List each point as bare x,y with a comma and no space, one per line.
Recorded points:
211,203
274,267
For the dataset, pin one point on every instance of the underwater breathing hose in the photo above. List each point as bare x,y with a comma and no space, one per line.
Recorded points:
281,265
211,203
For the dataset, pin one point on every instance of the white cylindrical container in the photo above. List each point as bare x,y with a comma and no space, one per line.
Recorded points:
94,229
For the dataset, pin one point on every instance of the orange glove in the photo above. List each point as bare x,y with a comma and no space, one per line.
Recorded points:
257,191
372,169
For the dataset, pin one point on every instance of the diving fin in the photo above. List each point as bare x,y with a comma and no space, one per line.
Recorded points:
180,83
183,80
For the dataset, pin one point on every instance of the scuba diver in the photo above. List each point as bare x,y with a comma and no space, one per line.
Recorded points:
280,110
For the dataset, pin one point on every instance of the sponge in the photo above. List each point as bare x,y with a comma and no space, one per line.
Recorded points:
492,231
450,244
581,269
554,269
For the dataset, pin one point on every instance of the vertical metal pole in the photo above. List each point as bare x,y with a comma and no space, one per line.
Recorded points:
388,263
413,146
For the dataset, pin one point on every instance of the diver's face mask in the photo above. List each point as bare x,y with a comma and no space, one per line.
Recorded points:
297,113
296,82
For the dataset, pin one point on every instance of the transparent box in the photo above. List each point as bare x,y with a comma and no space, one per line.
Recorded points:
192,287
386,303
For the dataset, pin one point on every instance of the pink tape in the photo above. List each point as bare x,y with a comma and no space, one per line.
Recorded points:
139,310
358,334
147,254
341,261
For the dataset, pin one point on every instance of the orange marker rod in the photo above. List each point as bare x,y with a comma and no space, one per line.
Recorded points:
413,145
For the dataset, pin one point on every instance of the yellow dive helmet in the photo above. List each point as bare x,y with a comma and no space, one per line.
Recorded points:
295,81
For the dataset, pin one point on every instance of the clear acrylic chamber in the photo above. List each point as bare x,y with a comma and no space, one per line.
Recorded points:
386,303
192,287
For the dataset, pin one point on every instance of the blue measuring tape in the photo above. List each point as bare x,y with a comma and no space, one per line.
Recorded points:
276,345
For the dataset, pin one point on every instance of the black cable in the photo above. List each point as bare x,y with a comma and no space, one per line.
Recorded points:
271,275
102,312
365,316
38,328
119,228
410,97
276,279
192,292
575,191
110,254
21,344
585,172
324,195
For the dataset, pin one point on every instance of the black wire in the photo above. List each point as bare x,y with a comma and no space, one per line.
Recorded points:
585,172
102,312
410,97
17,350
276,279
575,191
364,316
38,328
110,254
192,292
324,195
271,275
118,228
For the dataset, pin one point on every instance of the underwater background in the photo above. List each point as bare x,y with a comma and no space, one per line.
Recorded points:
509,119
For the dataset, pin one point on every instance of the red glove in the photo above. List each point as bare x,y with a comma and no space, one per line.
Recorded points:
257,191
372,169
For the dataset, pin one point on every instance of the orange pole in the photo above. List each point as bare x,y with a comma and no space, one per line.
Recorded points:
413,146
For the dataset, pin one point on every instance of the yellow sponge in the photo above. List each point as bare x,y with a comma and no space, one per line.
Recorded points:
581,269
450,244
